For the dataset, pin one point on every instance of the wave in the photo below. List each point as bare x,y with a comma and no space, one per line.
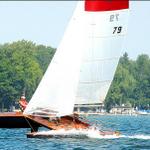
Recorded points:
144,137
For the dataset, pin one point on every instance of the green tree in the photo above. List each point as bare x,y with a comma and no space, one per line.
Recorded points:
22,65
123,85
44,55
142,90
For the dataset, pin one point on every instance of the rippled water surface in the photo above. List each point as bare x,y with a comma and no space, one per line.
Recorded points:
135,136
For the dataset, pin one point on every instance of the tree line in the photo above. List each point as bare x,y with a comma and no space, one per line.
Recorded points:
131,83
23,63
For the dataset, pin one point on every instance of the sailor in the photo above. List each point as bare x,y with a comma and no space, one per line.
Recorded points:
23,103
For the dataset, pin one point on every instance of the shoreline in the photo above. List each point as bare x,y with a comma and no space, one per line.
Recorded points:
111,114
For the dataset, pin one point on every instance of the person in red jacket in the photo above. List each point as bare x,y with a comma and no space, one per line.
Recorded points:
23,102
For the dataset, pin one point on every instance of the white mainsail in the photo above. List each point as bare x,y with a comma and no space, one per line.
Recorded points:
103,48
84,63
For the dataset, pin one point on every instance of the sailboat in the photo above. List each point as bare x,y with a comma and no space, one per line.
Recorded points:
83,66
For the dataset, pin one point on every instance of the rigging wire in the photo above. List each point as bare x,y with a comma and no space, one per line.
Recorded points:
32,129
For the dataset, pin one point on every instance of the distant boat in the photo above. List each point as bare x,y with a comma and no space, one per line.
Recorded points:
83,66
143,112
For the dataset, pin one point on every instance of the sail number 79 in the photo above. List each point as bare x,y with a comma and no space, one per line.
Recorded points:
117,30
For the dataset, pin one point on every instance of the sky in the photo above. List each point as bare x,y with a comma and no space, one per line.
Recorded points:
45,23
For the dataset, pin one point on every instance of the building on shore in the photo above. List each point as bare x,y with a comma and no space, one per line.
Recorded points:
99,109
122,110
89,108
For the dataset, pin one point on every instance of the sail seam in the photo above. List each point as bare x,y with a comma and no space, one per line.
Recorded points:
107,36
112,58
90,82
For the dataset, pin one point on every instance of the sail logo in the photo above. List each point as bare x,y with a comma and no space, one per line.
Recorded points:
114,17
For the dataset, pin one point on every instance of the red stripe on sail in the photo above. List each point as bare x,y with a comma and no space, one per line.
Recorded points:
106,5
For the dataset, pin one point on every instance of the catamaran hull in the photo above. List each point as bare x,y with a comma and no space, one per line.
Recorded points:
35,135
43,135
17,120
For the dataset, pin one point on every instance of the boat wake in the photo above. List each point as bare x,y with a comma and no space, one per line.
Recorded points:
90,133
142,137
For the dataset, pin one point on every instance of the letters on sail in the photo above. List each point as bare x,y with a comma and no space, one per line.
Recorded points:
85,62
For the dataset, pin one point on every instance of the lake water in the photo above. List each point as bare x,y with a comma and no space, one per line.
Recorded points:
135,136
